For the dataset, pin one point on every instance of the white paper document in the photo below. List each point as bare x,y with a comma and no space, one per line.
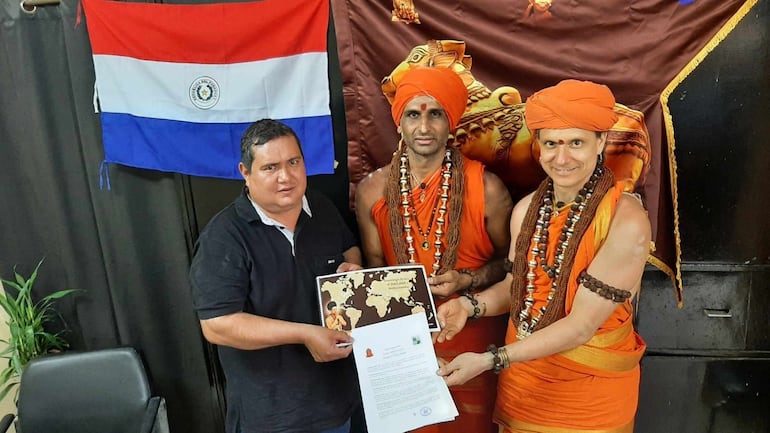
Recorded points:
397,374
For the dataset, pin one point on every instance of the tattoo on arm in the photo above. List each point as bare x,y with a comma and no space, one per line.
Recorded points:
492,272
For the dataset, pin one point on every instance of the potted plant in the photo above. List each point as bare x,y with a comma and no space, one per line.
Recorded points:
26,320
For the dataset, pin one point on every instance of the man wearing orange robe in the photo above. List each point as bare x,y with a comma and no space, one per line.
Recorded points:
434,207
571,359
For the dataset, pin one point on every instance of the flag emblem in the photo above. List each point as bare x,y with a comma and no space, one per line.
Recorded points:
204,93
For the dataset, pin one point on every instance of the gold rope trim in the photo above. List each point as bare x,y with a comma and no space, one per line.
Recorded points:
658,263
726,29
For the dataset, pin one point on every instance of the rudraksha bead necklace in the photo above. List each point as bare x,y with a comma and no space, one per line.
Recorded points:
409,212
539,253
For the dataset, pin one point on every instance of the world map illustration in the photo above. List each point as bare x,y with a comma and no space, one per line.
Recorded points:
360,298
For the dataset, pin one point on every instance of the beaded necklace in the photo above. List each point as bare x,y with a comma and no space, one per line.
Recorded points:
423,184
424,233
439,206
538,255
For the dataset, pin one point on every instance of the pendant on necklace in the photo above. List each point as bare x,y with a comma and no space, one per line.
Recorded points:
422,191
425,244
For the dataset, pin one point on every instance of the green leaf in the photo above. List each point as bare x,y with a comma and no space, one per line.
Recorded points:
9,283
26,323
33,277
9,386
7,374
19,279
60,294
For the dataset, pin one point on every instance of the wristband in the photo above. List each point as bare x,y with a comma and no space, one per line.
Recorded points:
474,278
499,358
474,303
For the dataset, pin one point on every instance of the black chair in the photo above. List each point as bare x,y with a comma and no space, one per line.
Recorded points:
103,391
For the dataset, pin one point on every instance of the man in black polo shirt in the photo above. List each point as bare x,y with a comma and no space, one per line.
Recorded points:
253,285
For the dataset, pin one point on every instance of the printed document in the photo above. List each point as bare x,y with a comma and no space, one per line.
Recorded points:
397,374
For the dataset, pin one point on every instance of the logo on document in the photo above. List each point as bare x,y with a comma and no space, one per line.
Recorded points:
425,411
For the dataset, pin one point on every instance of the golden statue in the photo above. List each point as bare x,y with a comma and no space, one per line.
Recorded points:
403,10
493,129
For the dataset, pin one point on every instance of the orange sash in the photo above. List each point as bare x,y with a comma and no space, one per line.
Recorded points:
475,400
591,388
524,427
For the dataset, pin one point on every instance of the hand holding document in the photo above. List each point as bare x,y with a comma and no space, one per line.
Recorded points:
390,312
397,374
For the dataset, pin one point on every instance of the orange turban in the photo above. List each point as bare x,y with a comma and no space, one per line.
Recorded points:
442,84
571,104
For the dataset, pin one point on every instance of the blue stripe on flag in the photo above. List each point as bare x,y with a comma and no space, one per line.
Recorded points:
203,149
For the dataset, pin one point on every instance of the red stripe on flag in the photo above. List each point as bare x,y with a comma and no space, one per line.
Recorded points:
218,33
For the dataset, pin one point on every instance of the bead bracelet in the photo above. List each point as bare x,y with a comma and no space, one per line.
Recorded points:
602,289
474,304
500,358
474,278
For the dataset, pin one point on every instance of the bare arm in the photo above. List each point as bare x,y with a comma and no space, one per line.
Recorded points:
497,213
352,257
493,301
250,332
368,192
619,263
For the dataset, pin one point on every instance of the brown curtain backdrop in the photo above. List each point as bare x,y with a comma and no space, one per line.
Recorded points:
634,47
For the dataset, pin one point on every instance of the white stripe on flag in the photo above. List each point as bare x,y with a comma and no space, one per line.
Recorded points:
279,88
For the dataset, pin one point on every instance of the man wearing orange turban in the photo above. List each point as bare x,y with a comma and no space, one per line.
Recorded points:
571,359
572,104
442,84
434,207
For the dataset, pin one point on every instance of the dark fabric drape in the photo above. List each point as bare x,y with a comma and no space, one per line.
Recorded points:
126,249
636,48
721,114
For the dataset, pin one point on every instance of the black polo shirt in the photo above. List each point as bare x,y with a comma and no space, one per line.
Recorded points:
241,264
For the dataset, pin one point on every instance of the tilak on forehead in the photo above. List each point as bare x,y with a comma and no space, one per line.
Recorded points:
442,84
571,104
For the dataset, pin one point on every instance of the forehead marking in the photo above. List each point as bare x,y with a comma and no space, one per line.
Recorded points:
423,106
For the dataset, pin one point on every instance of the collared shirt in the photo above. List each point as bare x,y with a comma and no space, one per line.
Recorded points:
242,264
288,234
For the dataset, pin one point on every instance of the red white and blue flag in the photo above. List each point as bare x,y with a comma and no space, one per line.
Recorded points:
178,84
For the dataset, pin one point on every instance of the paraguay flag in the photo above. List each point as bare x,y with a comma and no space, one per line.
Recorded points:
178,84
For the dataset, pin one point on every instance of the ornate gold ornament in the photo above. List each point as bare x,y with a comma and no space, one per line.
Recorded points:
403,10
493,129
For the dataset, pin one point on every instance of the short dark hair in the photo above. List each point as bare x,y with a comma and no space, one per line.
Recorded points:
259,133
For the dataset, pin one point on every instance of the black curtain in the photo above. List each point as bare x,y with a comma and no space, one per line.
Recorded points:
127,248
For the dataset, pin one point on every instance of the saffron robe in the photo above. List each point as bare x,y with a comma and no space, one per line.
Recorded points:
592,387
475,400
